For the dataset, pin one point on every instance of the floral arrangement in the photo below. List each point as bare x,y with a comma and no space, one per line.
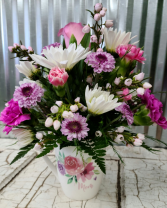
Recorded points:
83,93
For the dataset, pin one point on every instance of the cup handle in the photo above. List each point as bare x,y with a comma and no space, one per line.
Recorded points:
51,166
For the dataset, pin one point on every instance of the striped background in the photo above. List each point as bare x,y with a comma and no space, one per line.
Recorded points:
36,23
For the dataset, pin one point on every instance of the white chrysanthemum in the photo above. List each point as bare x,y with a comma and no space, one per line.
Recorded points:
113,38
26,68
24,137
98,101
57,57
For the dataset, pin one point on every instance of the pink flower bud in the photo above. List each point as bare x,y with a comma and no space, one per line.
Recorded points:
109,23
97,17
141,136
73,108
102,13
49,122
108,86
98,7
139,77
57,76
119,138
128,82
138,142
89,80
99,50
70,114
59,103
140,91
56,125
39,135
16,45
23,47
77,100
54,109
37,147
98,134
147,85
84,108
117,80
65,114
93,39
10,48
105,9
120,129
30,49
86,29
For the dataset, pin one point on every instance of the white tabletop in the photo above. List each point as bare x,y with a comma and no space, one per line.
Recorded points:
140,183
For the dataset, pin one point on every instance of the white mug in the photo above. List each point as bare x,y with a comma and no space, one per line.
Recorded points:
79,175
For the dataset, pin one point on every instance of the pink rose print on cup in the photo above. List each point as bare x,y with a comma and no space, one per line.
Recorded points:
87,173
73,165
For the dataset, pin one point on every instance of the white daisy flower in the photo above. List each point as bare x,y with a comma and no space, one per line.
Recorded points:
26,68
24,137
57,57
113,38
99,102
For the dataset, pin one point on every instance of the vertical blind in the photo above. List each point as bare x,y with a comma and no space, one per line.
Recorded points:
36,23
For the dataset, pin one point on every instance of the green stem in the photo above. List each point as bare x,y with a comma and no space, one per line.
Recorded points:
116,119
68,93
88,116
97,78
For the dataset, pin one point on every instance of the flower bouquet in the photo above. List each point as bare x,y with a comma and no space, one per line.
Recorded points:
83,94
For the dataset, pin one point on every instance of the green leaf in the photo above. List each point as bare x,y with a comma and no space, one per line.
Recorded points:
75,178
141,118
61,159
63,155
88,160
23,152
155,140
85,40
70,180
90,12
64,44
67,175
60,154
96,172
73,40
45,151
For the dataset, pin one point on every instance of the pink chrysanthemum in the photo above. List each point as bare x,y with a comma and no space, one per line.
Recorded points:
101,61
28,94
49,46
75,127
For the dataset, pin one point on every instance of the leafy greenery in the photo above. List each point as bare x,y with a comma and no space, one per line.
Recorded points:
23,152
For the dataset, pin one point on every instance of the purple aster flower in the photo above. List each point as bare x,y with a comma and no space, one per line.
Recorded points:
61,168
49,46
101,61
75,127
28,94
155,107
126,111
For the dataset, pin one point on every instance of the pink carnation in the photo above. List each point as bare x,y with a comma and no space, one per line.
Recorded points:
12,116
155,107
57,76
133,54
